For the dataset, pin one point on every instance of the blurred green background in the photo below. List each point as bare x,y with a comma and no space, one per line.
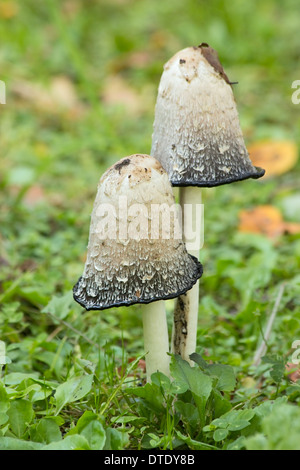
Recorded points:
81,81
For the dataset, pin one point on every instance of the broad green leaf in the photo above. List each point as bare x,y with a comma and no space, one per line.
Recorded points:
167,386
72,390
188,413
3,358
74,442
20,415
4,399
10,443
199,360
152,395
115,439
281,428
238,444
265,408
46,431
198,383
225,374
219,404
95,435
278,367
220,434
15,378
92,429
59,306
256,442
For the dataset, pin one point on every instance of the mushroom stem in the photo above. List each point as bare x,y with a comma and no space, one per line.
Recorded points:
156,338
184,336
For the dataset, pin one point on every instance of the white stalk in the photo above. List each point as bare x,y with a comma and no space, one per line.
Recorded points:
156,338
184,337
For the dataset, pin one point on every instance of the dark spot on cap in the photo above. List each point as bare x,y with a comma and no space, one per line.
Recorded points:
213,59
182,61
119,166
146,169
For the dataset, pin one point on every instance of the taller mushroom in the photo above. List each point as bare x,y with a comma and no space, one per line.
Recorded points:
198,140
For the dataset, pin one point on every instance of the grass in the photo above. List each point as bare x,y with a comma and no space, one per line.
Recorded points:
75,379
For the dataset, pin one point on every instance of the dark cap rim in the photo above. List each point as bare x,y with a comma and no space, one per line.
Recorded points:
147,301
209,184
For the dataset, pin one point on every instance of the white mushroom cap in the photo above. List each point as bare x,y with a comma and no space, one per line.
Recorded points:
197,135
124,269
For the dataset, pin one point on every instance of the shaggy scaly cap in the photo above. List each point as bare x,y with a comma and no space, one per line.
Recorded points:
197,135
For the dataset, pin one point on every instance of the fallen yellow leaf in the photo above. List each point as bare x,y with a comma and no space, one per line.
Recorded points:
276,157
8,10
118,92
266,220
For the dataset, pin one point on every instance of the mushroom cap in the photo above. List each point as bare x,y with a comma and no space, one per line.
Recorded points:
197,135
135,260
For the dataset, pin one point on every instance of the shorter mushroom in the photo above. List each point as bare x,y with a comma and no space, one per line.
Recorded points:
133,257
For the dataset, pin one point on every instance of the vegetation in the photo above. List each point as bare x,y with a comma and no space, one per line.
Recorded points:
81,82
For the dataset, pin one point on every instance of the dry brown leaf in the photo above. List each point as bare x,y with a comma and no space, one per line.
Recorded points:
117,91
276,157
294,375
266,220
34,196
59,96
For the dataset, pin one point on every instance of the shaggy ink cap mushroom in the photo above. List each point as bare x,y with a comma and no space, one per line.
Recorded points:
197,135
121,271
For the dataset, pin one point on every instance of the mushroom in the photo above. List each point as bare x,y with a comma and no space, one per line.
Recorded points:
132,256
198,140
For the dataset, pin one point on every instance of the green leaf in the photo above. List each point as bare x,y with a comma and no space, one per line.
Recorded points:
278,367
115,439
92,429
46,431
219,404
4,405
265,408
199,360
225,374
95,435
59,306
282,428
152,395
166,385
220,434
20,416
188,413
74,442
198,383
10,443
234,420
238,444
194,444
72,390
4,399
3,358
